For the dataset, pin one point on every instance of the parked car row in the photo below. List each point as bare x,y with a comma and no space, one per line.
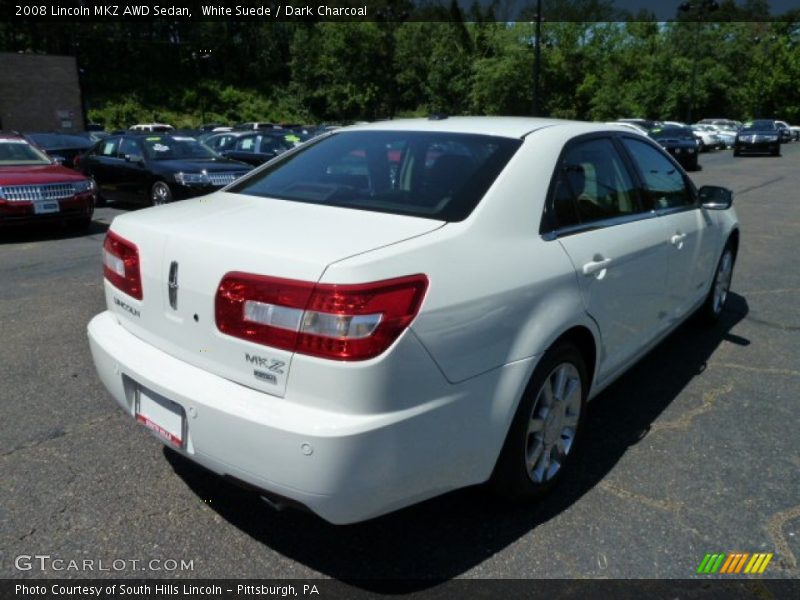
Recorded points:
154,163
762,135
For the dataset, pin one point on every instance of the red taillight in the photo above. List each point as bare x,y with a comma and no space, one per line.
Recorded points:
345,322
121,265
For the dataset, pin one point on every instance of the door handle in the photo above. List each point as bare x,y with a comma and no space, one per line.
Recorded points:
596,266
677,239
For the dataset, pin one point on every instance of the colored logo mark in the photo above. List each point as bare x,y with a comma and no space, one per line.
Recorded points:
737,562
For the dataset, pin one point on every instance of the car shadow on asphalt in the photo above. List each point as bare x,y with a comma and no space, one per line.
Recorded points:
126,206
43,232
442,538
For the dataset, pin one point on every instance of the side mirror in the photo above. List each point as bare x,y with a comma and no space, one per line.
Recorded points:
714,197
134,158
57,160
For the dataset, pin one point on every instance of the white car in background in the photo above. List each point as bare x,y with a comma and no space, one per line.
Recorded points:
629,126
726,136
152,128
396,310
709,137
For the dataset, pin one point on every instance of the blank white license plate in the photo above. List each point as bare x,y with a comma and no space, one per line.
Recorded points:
165,418
45,206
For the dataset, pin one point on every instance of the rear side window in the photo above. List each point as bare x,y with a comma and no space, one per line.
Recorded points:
221,143
593,185
108,147
664,185
435,175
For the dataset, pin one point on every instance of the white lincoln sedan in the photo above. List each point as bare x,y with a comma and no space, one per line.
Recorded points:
399,309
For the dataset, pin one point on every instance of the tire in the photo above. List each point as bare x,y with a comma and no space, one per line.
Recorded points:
526,468
736,152
160,194
776,152
711,310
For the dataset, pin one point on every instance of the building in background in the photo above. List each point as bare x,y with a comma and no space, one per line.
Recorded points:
40,92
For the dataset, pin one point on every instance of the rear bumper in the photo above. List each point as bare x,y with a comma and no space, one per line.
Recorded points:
344,467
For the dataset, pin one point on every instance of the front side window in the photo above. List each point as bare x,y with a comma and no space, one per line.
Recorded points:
435,175
275,145
664,185
221,143
129,147
593,185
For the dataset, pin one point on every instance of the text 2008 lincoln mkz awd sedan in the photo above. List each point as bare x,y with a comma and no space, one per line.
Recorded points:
400,309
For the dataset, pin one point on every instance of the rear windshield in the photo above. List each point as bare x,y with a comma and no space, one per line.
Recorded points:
673,133
435,175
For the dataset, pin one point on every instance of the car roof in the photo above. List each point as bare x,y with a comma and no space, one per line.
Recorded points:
510,127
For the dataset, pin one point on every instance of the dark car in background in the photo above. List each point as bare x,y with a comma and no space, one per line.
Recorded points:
647,124
35,189
61,146
254,148
680,142
759,136
156,169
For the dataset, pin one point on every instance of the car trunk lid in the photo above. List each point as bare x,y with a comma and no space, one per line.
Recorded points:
186,248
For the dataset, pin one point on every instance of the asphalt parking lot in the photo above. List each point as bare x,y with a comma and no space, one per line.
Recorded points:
694,451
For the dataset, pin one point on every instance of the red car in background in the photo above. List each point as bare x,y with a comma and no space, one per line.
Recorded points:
33,188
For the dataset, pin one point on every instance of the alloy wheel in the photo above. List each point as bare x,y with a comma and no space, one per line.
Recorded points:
553,423
160,194
722,282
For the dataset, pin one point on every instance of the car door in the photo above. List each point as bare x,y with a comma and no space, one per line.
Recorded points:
245,149
133,176
691,234
616,247
270,147
100,166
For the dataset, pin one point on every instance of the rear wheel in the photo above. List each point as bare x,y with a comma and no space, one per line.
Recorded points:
160,194
736,152
546,429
